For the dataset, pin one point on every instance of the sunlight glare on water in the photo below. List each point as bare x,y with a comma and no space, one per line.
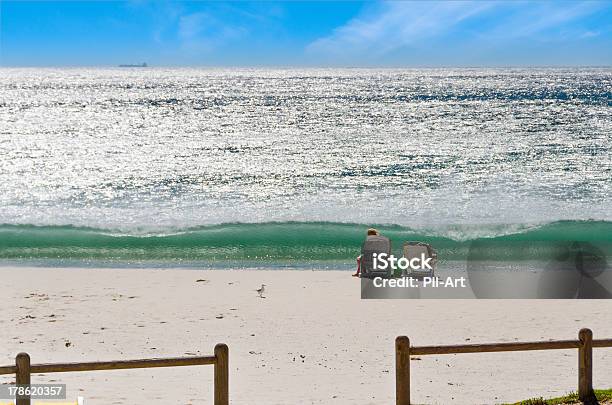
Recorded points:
155,149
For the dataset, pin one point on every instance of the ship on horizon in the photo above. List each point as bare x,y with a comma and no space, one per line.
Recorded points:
143,64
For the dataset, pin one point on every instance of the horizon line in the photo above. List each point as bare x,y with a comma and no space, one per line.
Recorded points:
149,66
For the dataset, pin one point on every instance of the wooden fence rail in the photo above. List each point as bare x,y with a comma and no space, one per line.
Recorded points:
584,344
220,360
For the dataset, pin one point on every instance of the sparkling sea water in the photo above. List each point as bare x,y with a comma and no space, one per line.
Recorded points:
155,163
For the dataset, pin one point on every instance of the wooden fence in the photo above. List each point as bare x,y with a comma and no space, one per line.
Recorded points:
23,369
584,344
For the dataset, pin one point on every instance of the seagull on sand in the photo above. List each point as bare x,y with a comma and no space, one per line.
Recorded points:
261,290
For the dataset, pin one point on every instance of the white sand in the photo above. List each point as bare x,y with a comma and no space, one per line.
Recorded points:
310,341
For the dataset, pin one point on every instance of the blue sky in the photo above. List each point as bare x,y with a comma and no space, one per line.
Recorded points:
318,33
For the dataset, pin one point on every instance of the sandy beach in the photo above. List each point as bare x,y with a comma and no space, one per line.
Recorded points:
311,340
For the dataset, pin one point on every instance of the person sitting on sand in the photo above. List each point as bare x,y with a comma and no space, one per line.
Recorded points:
371,232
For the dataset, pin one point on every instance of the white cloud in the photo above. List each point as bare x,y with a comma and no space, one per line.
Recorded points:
535,19
590,34
391,25
192,24
202,32
388,26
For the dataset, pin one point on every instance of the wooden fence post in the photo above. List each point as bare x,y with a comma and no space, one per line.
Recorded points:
22,362
221,374
585,366
402,370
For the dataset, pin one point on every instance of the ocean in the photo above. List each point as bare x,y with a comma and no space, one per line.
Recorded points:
289,167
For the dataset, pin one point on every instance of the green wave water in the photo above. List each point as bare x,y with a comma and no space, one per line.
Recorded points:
285,242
